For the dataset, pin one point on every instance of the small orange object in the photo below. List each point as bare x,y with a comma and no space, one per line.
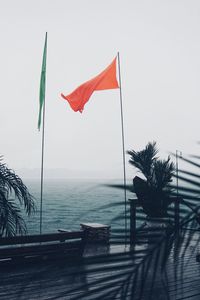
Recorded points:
106,80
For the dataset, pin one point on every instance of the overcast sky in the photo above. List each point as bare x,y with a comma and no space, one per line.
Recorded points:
159,45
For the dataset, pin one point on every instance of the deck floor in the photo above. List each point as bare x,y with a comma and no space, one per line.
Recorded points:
118,275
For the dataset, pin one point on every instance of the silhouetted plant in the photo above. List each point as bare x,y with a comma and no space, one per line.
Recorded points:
12,188
154,191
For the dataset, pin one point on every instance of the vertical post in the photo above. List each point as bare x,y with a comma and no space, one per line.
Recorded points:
42,168
177,212
123,147
133,204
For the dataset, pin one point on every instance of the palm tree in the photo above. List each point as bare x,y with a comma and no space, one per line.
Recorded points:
12,188
154,191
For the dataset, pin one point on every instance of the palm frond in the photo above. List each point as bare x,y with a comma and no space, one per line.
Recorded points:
12,188
11,221
163,172
12,183
144,159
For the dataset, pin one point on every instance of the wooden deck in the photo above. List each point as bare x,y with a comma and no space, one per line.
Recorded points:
114,273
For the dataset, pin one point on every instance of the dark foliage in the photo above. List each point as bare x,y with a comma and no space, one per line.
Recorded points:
154,192
12,188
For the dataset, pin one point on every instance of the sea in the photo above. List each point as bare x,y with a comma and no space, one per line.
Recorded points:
69,202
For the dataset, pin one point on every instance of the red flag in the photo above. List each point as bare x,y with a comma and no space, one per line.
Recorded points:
104,81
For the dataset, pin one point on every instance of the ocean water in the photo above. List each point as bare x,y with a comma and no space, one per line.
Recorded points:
67,203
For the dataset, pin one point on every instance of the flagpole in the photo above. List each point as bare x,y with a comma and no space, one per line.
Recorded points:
123,146
42,168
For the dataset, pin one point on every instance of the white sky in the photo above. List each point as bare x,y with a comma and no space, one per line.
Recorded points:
159,45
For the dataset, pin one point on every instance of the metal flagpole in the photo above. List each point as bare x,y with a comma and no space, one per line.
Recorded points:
123,146
42,168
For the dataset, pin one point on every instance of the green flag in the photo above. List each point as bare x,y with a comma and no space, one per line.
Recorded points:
42,83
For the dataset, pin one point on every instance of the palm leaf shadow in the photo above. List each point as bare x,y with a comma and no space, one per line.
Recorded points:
135,274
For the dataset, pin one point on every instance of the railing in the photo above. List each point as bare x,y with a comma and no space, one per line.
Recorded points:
134,203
